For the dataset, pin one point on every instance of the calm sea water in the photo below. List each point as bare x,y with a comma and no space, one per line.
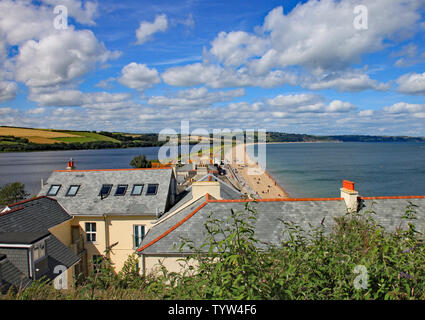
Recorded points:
303,169
378,169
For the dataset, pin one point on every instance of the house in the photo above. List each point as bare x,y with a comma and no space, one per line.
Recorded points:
35,242
163,241
112,208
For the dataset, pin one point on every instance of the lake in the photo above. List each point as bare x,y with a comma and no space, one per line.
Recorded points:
303,169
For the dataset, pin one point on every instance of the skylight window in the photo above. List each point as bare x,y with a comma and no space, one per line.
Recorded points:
72,191
54,189
137,190
121,189
105,190
152,189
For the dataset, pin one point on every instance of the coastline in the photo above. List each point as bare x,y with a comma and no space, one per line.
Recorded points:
263,185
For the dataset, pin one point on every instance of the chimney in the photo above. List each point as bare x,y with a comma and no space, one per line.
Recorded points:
350,195
71,165
201,188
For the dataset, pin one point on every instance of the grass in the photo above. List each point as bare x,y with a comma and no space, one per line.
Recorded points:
50,136
81,136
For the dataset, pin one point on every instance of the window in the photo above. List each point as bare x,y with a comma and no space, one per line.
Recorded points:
152,189
137,190
105,190
72,191
54,189
91,232
139,234
97,263
39,251
121,189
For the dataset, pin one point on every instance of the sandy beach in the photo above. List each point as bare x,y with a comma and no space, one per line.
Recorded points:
261,183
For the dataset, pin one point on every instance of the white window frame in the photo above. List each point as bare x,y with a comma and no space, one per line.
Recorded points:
140,238
39,250
90,232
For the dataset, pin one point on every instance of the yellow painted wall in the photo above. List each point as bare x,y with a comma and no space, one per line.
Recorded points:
121,231
152,264
63,232
95,248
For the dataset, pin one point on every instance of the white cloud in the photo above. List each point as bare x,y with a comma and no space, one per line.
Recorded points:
307,103
412,83
216,77
147,29
139,77
338,106
199,97
351,81
59,58
366,113
403,107
7,111
320,34
236,47
8,90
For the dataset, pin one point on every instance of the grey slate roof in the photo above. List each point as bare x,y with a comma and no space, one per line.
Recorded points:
22,237
389,212
268,227
11,276
30,224
87,201
37,215
226,192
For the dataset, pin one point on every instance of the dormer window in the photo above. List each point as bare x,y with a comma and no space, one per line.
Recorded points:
72,191
105,190
121,190
54,189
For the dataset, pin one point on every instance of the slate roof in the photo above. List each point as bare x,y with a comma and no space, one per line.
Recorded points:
166,237
226,192
34,215
11,276
29,221
268,227
88,202
22,237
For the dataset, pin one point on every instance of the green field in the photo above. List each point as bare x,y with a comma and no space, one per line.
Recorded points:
84,137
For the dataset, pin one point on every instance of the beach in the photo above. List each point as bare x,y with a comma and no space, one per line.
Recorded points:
251,177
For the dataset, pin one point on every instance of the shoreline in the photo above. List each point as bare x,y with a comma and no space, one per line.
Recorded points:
263,185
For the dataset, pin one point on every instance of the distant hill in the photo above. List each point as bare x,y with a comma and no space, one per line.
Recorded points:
16,139
290,137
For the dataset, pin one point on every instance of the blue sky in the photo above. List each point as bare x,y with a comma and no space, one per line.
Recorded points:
143,66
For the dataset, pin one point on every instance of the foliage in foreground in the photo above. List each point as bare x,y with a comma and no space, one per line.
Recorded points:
309,264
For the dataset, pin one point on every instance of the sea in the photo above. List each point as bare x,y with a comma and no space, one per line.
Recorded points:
302,169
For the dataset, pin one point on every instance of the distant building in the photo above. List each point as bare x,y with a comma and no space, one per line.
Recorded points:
35,242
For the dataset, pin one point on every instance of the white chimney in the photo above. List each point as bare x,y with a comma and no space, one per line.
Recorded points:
350,195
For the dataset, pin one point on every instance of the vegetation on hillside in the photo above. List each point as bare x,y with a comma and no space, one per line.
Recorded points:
308,264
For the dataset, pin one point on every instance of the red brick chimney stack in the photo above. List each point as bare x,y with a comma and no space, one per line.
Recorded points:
71,165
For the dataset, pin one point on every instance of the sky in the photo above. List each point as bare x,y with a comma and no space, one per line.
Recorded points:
315,67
